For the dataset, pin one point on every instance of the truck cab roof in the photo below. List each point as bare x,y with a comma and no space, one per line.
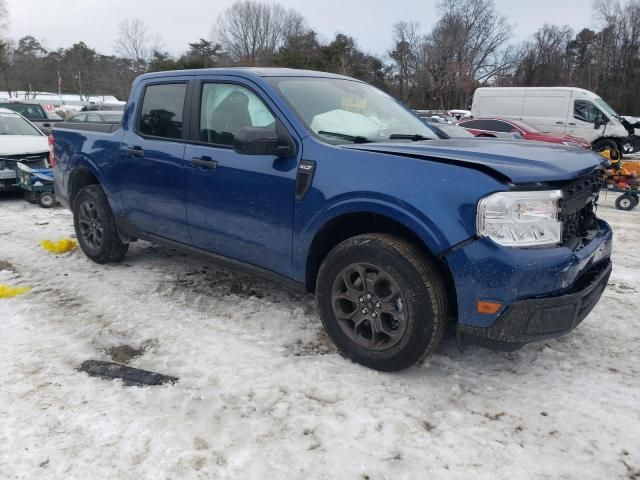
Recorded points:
246,72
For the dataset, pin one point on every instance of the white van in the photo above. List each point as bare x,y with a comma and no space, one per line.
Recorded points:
561,110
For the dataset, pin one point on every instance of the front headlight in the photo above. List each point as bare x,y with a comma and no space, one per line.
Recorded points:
520,219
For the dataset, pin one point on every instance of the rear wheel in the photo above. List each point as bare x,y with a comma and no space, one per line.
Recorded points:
31,197
626,202
96,227
381,301
46,200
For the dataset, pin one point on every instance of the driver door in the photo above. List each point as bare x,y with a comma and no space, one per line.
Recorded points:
582,122
238,206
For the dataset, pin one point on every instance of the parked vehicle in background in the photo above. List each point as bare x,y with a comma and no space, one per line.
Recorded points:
20,141
328,184
460,114
54,117
103,107
556,110
497,127
446,130
31,111
102,116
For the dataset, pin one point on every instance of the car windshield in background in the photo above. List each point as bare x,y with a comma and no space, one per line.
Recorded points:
605,106
454,131
28,110
346,111
525,126
12,124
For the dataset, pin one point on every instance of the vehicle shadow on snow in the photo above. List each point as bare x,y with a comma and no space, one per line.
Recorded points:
197,276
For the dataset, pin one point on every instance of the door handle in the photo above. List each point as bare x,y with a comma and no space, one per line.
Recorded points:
571,123
135,151
204,162
560,123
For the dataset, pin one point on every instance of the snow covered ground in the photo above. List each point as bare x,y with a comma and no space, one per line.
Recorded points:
262,392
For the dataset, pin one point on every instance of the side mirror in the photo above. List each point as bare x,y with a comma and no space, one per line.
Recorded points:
260,141
600,120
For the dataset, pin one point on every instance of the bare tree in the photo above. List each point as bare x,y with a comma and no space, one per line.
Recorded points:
546,59
405,54
251,31
133,41
4,16
468,44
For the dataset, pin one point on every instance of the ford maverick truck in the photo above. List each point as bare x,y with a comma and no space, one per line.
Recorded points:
326,183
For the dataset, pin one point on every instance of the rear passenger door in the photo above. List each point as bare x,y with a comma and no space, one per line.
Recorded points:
239,206
152,167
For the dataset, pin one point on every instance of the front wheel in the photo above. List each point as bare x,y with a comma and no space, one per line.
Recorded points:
626,202
381,301
96,227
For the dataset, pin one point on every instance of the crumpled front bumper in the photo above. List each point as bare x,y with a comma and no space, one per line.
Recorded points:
537,319
544,292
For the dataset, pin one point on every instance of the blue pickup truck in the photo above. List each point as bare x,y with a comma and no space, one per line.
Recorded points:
326,183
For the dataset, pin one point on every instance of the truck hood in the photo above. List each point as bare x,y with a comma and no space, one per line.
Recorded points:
514,161
23,144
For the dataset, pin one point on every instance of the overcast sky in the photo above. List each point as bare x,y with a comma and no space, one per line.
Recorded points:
60,23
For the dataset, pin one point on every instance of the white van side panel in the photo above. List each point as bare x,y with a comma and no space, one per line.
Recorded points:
547,109
505,102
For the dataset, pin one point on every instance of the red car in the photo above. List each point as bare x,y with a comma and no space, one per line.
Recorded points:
503,128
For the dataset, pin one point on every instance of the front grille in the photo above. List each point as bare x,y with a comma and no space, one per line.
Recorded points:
577,210
37,160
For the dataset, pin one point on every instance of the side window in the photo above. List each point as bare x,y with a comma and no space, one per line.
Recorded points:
93,119
586,111
79,118
498,126
226,108
469,124
477,124
161,112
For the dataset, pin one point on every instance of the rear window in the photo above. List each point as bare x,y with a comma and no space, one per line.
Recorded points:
29,110
162,108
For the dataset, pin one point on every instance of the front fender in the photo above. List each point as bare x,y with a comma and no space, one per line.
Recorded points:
365,203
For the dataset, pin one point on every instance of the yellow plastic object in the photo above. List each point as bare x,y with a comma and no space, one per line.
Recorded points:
61,246
7,291
606,153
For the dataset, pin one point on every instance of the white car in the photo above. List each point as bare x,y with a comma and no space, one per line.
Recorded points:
20,141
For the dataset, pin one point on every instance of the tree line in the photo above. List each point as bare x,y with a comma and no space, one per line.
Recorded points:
470,45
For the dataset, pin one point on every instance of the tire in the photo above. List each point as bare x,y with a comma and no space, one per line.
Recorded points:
96,227
403,288
46,200
626,202
31,197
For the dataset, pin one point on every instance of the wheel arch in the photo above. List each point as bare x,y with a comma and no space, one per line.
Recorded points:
81,177
354,223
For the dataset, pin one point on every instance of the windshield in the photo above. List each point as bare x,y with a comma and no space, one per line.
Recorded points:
12,124
454,131
605,106
345,111
28,110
